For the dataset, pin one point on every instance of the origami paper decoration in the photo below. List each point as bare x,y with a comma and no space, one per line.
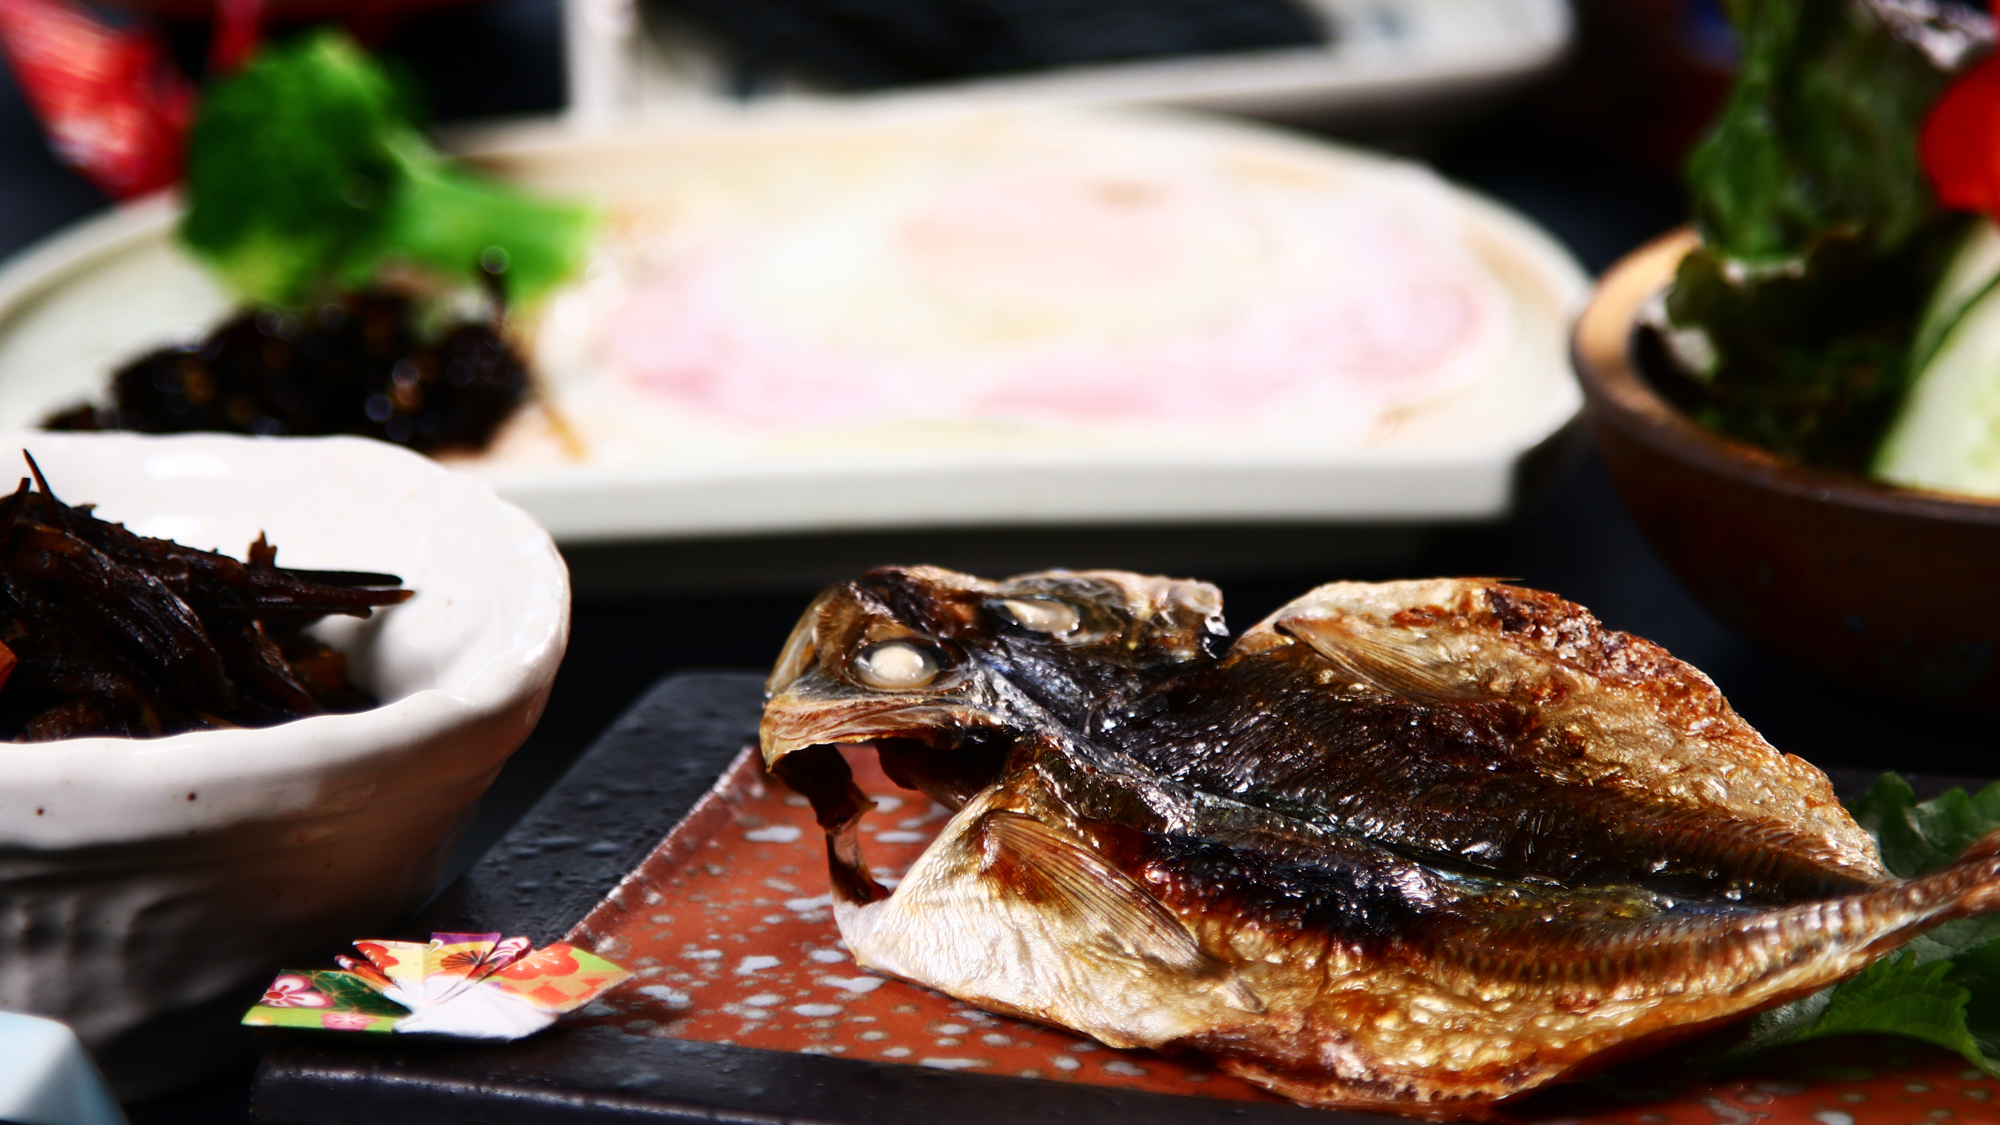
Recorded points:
475,986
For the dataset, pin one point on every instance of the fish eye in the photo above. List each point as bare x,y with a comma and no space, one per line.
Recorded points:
1042,615
896,666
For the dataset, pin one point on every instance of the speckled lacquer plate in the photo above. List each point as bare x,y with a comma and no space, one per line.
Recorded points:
810,321
142,879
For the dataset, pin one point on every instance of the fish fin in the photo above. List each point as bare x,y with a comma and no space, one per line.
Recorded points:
1975,875
1967,888
801,649
1047,868
1386,657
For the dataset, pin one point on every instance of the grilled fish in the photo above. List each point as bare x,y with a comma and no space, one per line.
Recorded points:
1410,847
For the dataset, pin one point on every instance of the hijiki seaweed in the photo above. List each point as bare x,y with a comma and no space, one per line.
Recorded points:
104,632
356,365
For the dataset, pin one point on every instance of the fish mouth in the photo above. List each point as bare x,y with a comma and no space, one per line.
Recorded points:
792,723
948,750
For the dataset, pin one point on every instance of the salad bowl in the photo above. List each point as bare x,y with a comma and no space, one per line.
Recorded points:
149,883
1894,591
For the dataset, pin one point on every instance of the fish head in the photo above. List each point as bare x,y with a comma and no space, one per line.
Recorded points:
937,656
950,677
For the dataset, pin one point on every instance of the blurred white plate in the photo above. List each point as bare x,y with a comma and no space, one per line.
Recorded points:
654,467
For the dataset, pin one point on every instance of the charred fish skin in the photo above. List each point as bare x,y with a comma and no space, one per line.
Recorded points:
1505,728
1283,856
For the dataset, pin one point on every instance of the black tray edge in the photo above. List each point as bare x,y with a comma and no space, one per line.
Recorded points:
600,1075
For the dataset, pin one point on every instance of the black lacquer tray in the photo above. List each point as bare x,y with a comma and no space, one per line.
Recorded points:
606,816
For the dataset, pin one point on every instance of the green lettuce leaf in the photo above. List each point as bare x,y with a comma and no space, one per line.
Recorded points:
1810,361
1819,134
1820,234
305,172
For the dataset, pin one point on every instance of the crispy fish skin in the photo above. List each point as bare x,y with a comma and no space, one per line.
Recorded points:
1549,745
1410,847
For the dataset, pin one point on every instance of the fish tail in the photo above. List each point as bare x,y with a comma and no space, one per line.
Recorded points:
1866,925
1969,887
1972,883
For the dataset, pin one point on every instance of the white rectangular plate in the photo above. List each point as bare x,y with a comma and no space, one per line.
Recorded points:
76,307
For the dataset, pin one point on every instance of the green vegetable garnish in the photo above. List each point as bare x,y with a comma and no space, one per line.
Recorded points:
1819,134
1944,988
1919,838
305,173
1821,238
1947,434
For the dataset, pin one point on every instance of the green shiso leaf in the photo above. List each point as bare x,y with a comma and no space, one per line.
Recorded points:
1919,838
446,219
286,170
1944,987
306,172
1897,996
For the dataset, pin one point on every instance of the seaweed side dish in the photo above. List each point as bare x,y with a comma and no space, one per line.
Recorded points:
358,365
352,247
104,632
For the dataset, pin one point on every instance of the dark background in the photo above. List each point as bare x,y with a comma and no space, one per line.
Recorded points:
1589,153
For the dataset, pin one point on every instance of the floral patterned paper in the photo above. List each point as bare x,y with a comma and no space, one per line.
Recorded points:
480,986
326,1000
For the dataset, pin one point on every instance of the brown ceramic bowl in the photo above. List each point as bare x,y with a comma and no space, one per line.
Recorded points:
1894,591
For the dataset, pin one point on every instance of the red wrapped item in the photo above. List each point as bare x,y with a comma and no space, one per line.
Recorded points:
113,104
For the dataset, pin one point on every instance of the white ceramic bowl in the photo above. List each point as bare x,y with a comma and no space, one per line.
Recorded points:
142,880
